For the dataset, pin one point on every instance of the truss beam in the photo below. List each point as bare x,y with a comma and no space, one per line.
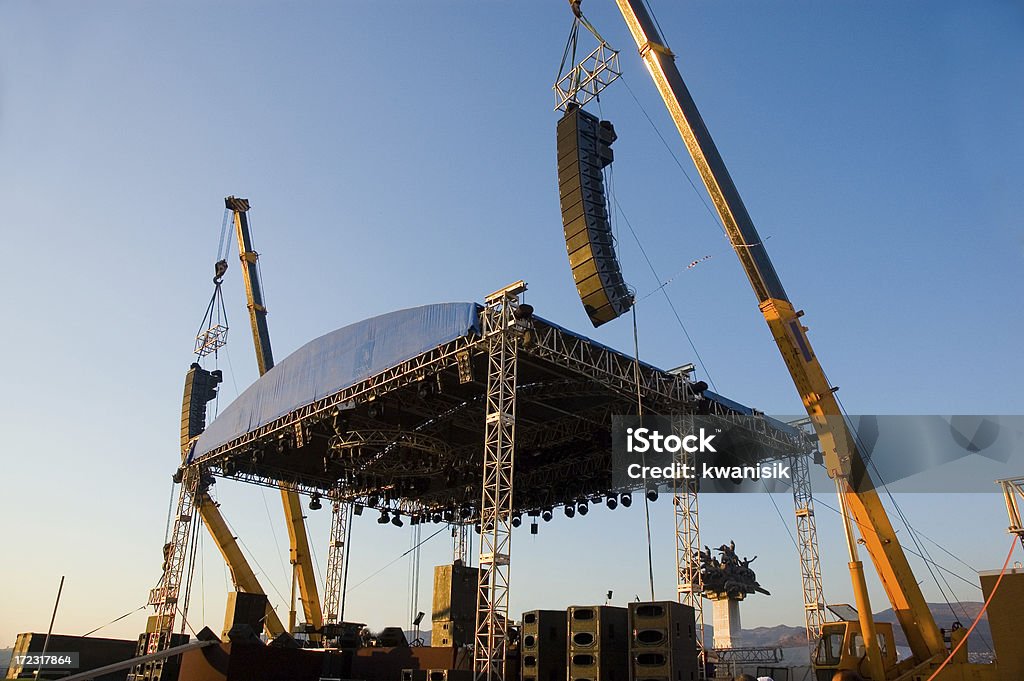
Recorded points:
502,329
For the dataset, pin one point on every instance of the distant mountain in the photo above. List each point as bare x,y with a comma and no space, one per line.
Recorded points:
784,636
981,637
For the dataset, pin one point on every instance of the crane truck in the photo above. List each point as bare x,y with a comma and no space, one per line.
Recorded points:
863,644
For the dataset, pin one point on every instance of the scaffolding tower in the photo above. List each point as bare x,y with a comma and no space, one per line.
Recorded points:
689,587
334,582
502,328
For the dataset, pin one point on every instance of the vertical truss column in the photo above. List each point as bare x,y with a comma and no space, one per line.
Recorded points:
460,543
502,328
165,596
807,543
334,582
689,586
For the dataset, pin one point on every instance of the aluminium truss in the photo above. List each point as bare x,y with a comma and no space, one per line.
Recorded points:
502,329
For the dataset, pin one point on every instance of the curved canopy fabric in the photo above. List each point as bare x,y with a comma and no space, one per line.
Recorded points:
337,360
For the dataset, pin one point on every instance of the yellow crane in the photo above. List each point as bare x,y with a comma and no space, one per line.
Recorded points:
299,554
842,642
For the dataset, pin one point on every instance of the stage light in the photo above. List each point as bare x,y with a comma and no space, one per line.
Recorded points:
414,520
570,511
477,528
583,509
357,509
397,521
314,503
373,501
517,520
611,503
423,389
465,512
533,528
437,518
546,515
524,312
384,518
626,500
652,494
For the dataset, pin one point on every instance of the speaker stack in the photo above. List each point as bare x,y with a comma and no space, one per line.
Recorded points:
453,617
543,645
584,149
598,643
663,642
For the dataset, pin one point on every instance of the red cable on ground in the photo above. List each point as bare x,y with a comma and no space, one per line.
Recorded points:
977,619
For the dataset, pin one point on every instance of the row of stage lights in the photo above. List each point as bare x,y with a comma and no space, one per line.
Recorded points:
580,506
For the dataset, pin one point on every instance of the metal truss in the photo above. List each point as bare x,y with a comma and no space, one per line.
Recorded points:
502,329
393,378
807,543
166,595
460,543
611,369
334,581
748,655
586,80
1013,493
689,585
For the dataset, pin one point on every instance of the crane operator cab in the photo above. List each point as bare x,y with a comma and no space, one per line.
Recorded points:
841,647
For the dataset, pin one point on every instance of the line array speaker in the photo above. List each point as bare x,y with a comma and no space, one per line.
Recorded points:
584,149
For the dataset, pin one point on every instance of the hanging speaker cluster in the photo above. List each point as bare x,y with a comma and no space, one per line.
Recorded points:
584,149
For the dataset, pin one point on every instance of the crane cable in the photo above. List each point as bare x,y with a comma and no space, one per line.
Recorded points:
1013,546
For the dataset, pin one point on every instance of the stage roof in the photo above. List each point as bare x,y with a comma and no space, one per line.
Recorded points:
389,412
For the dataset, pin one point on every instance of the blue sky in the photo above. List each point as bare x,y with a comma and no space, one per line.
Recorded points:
399,154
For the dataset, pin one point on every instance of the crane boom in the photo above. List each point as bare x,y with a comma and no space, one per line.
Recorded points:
300,557
842,457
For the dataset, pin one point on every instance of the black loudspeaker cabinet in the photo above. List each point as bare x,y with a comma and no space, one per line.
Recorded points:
542,645
584,149
663,642
598,643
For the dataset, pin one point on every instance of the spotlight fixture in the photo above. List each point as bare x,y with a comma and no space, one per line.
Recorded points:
626,500
477,528
546,515
583,509
384,518
524,312
437,518
397,521
569,510
517,520
595,499
465,512
533,527
314,503
414,520
423,389
357,509
373,411
611,503
652,494
373,500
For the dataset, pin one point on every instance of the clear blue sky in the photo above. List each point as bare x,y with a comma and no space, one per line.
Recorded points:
401,153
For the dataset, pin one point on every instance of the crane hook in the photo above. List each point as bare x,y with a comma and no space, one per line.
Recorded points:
219,269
